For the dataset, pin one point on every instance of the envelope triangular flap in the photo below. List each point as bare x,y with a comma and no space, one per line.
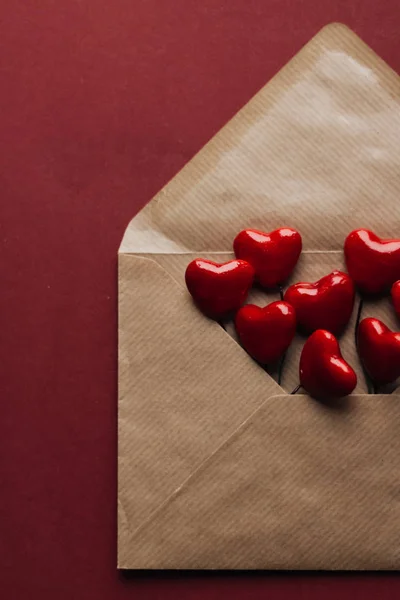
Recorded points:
319,144
300,486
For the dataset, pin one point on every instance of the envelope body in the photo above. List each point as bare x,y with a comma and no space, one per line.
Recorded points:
219,467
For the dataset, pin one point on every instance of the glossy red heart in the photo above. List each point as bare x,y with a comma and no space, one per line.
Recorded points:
266,333
323,371
219,289
373,263
325,304
396,297
379,350
273,255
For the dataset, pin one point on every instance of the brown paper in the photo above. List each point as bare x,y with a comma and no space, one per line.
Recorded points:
276,495
217,467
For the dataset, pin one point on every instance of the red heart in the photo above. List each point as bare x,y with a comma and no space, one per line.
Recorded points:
373,264
379,350
266,333
219,289
396,297
273,255
326,304
323,371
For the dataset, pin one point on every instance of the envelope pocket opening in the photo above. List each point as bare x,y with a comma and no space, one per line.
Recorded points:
312,266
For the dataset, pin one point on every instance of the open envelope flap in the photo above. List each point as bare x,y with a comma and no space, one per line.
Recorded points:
176,403
318,148
300,485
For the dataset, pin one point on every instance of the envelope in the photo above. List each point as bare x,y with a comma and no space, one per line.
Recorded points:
219,467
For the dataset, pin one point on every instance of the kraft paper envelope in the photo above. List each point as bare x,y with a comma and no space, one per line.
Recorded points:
219,467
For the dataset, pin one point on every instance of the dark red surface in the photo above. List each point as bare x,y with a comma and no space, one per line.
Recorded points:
101,102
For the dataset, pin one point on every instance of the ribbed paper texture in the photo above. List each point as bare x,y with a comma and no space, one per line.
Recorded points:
216,470
297,487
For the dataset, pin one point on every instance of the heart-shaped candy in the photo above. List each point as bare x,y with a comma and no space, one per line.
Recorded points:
323,371
326,304
396,297
266,333
219,289
373,263
379,350
273,255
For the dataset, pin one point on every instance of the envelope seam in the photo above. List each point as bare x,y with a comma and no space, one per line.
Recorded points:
237,432
226,443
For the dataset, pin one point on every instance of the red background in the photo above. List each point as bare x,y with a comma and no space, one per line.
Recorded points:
101,103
